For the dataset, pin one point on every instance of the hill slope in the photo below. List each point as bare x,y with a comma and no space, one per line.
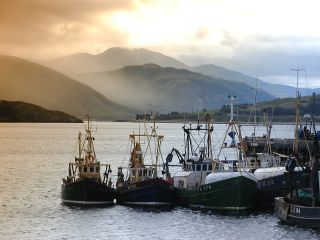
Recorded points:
25,112
151,87
111,59
21,80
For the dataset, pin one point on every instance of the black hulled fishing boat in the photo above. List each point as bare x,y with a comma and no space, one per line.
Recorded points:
301,206
268,157
84,186
146,185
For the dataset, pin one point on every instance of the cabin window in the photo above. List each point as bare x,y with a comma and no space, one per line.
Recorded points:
198,167
97,169
80,169
210,167
91,169
149,172
145,173
204,167
140,172
181,183
193,167
84,169
134,173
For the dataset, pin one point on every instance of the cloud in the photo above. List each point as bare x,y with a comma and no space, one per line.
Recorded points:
243,38
266,56
39,28
229,40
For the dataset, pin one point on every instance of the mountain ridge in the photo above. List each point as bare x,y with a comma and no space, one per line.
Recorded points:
166,89
117,58
111,59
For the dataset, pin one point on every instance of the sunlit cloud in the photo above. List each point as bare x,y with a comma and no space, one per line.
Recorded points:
243,35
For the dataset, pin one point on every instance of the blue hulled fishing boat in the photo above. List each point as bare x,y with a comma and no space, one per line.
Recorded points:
145,185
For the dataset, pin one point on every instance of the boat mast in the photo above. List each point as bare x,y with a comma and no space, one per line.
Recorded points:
255,111
232,100
315,161
296,137
79,146
210,155
90,147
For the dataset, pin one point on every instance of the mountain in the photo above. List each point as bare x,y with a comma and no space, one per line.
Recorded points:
277,90
21,80
164,89
11,111
111,59
116,58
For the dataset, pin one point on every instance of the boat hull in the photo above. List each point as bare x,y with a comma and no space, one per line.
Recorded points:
278,186
230,195
87,192
297,215
147,193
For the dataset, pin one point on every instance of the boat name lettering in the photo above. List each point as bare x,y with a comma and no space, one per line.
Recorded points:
131,186
266,183
295,209
204,188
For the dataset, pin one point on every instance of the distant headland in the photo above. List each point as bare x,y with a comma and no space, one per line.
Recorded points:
17,111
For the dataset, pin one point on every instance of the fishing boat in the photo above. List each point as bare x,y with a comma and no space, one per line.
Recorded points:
271,157
84,185
146,185
224,185
301,206
195,162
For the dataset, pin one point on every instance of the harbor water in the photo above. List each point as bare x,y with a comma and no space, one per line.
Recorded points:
34,158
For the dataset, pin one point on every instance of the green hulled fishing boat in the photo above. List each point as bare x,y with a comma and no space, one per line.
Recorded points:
211,183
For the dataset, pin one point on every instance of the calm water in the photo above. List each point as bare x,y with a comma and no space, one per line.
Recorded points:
34,158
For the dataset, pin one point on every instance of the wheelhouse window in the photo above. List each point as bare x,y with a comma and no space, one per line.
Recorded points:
84,169
198,167
91,169
204,167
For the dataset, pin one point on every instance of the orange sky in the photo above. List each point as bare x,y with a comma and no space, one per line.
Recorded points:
243,35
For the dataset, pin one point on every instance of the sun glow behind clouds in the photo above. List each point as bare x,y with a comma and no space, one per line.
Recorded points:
164,22
161,23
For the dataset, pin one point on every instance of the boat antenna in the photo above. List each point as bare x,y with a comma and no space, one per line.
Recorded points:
305,75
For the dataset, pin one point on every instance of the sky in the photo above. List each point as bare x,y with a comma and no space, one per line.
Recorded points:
263,38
